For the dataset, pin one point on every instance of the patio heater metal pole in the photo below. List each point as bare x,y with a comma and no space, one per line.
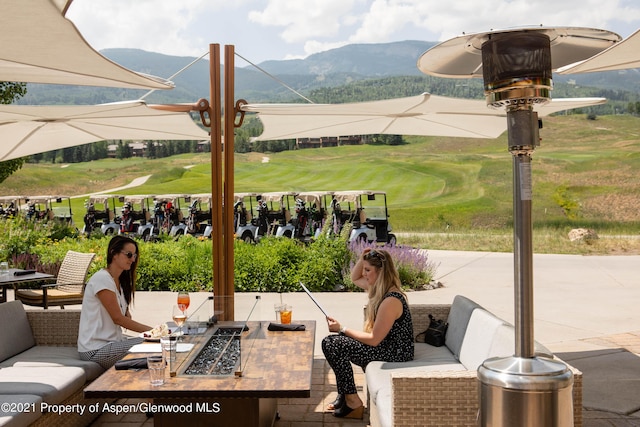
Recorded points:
522,128
523,390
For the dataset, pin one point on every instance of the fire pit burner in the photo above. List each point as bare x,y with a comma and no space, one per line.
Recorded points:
220,356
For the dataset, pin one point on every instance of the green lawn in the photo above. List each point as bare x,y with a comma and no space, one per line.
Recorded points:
433,184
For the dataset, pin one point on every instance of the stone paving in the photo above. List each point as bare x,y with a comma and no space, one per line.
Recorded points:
307,412
310,412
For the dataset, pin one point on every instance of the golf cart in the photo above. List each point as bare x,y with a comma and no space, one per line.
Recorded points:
279,213
10,206
168,216
101,214
248,226
198,221
367,211
49,208
311,213
135,219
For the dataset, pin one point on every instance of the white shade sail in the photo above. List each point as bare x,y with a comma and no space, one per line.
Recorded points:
622,55
424,114
26,129
39,45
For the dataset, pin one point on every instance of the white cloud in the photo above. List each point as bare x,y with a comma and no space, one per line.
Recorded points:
302,20
275,29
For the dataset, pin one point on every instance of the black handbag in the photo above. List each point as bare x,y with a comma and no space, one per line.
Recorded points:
435,333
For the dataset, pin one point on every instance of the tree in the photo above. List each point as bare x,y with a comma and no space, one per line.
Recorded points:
10,92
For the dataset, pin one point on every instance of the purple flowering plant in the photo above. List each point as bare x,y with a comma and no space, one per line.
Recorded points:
413,265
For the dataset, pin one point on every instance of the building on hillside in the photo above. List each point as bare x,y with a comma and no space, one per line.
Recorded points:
204,146
328,141
138,149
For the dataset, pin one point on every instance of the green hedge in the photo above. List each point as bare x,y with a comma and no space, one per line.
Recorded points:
272,265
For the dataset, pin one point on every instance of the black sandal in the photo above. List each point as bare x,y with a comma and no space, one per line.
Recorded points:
337,404
346,412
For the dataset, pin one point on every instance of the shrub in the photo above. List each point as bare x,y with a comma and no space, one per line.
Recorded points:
19,236
272,265
413,265
323,264
269,266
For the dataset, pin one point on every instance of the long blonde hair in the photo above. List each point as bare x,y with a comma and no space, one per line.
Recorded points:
387,279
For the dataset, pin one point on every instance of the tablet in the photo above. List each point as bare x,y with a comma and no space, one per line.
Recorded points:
313,299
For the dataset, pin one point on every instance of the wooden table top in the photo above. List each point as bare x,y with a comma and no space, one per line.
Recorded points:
274,364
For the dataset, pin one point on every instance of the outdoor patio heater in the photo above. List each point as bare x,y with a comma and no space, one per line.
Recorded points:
526,389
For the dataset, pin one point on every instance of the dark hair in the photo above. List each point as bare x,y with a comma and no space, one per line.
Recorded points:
127,277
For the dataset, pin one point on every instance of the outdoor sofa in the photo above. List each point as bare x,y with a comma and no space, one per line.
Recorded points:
440,386
40,365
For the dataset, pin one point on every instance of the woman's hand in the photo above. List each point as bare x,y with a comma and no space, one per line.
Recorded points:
334,325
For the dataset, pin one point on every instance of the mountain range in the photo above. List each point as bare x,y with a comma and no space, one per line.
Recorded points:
266,81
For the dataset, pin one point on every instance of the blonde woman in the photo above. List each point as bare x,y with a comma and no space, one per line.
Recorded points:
387,335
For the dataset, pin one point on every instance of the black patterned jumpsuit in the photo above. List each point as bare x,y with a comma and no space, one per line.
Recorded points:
340,350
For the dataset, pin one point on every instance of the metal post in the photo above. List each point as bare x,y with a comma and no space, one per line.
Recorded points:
522,128
219,289
229,130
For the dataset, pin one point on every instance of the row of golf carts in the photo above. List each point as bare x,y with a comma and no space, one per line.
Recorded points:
305,215
174,214
147,216
37,208
299,215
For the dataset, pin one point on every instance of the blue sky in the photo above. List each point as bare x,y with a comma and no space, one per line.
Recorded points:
279,29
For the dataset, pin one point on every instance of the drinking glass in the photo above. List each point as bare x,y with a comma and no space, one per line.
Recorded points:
285,314
4,268
184,300
277,308
156,367
179,316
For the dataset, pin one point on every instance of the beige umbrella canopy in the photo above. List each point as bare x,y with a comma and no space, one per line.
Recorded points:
622,55
26,129
424,114
39,45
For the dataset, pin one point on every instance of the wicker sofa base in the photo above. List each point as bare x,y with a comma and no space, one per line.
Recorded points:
71,419
59,328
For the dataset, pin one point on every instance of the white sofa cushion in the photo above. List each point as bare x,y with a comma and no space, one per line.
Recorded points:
16,333
478,339
52,384
504,343
426,358
54,356
458,319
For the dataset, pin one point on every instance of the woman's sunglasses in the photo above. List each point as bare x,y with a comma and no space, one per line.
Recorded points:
376,254
130,255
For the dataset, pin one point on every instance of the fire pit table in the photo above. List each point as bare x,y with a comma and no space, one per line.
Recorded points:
270,365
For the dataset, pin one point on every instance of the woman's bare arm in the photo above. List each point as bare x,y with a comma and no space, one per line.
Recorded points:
388,312
110,302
